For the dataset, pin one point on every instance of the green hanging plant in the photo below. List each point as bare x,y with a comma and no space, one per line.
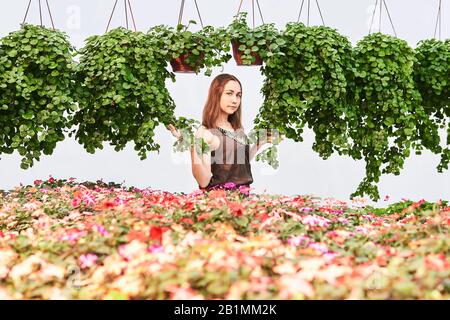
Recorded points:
307,85
206,48
261,42
37,88
389,120
187,127
122,92
432,76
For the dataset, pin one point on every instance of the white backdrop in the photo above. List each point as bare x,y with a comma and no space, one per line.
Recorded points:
301,171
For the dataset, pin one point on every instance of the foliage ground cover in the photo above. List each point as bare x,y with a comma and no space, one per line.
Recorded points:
64,239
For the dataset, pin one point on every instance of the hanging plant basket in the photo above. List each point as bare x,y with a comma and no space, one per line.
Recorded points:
181,65
237,54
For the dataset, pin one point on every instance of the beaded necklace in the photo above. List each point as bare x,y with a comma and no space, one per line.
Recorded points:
233,136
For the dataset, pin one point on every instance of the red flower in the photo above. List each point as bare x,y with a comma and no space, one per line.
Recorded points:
156,234
187,220
105,205
37,182
51,179
214,194
137,235
236,208
203,217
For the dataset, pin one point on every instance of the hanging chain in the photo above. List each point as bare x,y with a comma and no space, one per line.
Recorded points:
40,13
198,12
300,12
390,19
126,12
438,21
127,7
132,15
253,11
26,13
373,16
309,12
180,15
320,12
382,2
309,5
260,11
381,11
50,14
112,13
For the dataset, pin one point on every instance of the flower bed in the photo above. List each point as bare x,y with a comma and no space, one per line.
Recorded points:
63,239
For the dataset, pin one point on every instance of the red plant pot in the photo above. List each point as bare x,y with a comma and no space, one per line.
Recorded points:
237,54
180,65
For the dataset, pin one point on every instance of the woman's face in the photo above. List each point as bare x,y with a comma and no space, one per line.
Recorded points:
230,100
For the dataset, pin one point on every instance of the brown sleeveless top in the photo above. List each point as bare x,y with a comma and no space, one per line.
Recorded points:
231,161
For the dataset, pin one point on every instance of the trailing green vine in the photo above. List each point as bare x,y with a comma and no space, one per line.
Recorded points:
206,48
122,91
263,40
389,120
432,76
306,84
37,88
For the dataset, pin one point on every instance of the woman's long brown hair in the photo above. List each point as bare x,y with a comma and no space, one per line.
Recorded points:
211,111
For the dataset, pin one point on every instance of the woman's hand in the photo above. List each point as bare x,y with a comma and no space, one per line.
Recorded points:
268,139
211,140
174,131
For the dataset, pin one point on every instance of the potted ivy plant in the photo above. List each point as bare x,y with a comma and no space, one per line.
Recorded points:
432,78
390,119
306,84
37,91
252,46
189,51
122,93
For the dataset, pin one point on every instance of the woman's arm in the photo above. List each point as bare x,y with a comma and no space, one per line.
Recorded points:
201,164
254,150
201,168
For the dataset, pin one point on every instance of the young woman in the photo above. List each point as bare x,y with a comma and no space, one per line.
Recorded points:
228,164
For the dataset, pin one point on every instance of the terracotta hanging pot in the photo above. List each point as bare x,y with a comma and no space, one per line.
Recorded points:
237,54
180,65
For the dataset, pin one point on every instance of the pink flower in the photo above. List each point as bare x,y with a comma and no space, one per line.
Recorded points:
386,198
76,202
118,201
87,260
299,240
100,229
156,248
73,236
229,185
88,199
244,189
330,256
343,220
37,182
316,221
320,247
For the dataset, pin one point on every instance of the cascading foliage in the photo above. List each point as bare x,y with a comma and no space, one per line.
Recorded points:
36,91
306,84
390,119
432,76
121,92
